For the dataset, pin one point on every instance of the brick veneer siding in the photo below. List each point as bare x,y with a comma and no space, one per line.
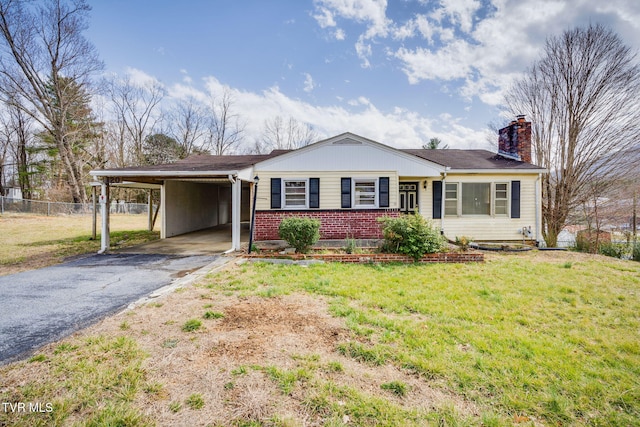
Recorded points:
334,224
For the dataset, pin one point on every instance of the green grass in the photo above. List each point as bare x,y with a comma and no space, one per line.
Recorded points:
557,341
524,340
191,325
93,381
32,241
396,387
212,315
195,401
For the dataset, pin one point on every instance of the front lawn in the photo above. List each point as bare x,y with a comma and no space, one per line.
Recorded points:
29,241
523,339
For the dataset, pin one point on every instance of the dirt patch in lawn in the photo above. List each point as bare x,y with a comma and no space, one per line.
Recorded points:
252,358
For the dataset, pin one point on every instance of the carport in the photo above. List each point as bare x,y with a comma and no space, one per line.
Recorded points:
198,193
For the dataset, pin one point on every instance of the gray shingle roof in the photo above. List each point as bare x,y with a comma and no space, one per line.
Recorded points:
469,159
455,159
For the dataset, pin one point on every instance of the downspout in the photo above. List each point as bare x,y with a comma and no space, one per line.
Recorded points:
235,214
104,213
444,192
253,211
538,207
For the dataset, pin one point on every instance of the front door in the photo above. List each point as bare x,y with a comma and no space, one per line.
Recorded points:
408,197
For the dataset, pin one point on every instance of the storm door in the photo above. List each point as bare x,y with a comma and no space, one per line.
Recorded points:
408,197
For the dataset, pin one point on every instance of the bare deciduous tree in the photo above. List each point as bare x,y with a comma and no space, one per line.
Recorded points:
189,126
43,49
583,97
16,131
136,111
286,135
226,129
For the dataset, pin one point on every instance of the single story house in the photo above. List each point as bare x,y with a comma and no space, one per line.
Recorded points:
347,182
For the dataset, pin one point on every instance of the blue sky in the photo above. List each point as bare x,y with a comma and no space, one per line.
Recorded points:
399,72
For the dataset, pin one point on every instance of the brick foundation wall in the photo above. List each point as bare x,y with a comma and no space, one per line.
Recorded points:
334,224
451,257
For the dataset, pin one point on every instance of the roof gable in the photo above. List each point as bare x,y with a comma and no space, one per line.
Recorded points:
350,152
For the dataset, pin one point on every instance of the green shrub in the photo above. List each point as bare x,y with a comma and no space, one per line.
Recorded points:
411,235
615,250
635,253
301,233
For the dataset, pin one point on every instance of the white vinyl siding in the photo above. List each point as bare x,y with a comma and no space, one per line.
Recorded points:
496,227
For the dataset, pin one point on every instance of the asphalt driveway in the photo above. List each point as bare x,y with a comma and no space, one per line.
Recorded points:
41,306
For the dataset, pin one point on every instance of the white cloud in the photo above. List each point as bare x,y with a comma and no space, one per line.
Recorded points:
400,127
309,84
452,62
460,12
324,17
372,13
140,78
484,45
340,34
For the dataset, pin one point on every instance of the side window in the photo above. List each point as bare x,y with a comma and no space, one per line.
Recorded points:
451,199
500,199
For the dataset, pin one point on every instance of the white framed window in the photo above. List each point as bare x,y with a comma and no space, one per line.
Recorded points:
295,194
365,193
451,199
501,199
476,199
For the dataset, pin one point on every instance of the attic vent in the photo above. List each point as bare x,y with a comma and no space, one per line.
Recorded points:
347,141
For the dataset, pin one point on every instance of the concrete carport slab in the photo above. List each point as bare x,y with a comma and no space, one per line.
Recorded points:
214,240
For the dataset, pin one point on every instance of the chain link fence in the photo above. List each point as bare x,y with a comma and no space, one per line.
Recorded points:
60,208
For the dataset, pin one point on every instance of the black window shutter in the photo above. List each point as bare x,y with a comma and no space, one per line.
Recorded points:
383,192
276,190
437,199
314,192
345,192
515,199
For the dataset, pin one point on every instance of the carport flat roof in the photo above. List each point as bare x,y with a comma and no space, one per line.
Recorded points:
193,167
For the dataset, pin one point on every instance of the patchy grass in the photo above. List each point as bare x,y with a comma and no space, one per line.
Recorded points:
93,381
556,340
524,339
33,241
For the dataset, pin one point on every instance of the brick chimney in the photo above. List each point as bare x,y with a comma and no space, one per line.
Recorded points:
514,141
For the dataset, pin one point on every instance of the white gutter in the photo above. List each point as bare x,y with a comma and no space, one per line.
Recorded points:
538,213
498,171
443,197
111,173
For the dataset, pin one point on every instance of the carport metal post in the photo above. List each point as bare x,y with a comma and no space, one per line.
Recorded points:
104,213
236,194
